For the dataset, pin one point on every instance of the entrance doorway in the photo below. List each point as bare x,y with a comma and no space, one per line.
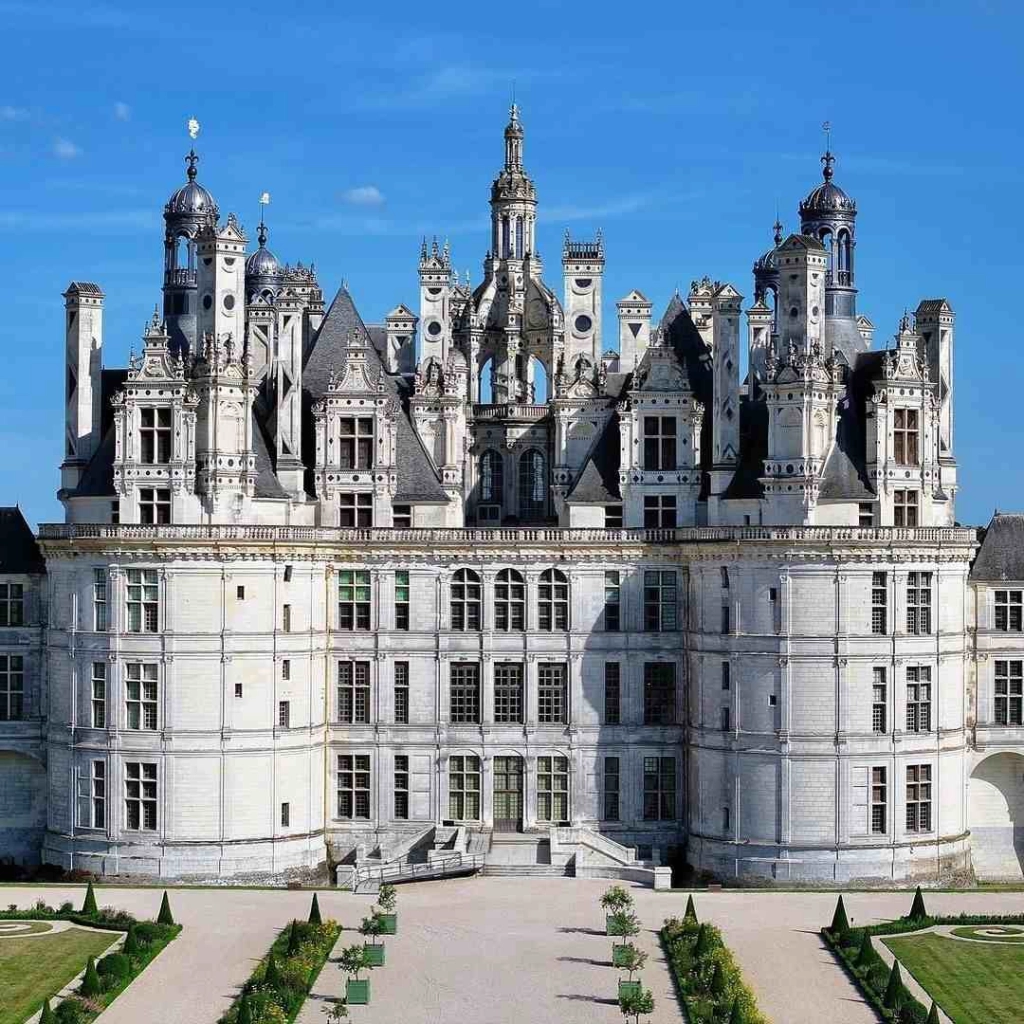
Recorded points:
508,794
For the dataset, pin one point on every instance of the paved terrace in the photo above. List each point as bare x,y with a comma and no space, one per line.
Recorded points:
502,950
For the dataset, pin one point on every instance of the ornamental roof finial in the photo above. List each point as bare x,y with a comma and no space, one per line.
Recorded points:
828,159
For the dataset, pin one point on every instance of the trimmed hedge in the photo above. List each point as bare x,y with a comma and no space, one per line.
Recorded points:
709,983
276,990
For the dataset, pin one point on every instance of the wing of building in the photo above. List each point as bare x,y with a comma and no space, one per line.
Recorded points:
330,591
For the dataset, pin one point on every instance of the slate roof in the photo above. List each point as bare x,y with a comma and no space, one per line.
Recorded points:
842,334
746,481
85,288
19,552
845,477
267,484
598,484
1001,556
97,480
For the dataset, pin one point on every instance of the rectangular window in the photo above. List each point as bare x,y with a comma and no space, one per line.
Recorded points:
402,599
140,795
659,511
510,601
611,789
155,435
879,603
402,692
401,786
12,687
660,601
726,820
612,693
154,506
284,714
355,443
551,695
464,788
465,693
508,693
286,815
1008,611
286,670
353,600
612,602
465,600
140,695
238,689
100,604
919,603
905,448
919,798
354,692
286,618
553,601
355,510
919,698
659,693
905,507
353,786
1009,692
99,695
613,517
879,701
115,511
659,788
866,514
726,720
240,593
401,517
552,789
726,680
143,601
879,801
98,794
659,442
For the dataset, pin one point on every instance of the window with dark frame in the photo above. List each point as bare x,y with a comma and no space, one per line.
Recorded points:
98,794
612,693
551,694
401,517
355,442
402,599
905,437
12,604
612,601
155,435
12,687
611,789
286,815
286,669
143,600
865,514
726,720
141,695
99,695
354,692
879,801
659,511
510,601
905,508
402,692
726,672
919,603
284,714
1009,692
879,603
919,698
879,700
140,796
919,798
508,693
355,510
401,786
552,789
353,600
353,784
100,601
660,601
154,506
465,600
553,601
659,443
726,619
465,693
613,517
464,787
659,788
1009,609
659,693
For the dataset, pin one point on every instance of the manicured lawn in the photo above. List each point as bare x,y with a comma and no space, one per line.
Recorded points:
32,969
973,982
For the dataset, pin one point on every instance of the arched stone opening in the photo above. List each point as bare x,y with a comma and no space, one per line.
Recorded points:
995,815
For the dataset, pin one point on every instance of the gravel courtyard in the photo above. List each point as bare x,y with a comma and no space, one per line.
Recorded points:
500,950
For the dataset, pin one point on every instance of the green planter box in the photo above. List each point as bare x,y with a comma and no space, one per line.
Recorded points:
619,954
374,954
357,992
628,988
390,924
610,927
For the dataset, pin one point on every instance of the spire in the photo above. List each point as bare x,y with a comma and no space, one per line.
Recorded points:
192,159
514,140
777,226
828,159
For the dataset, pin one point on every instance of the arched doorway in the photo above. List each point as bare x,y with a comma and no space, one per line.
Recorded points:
995,815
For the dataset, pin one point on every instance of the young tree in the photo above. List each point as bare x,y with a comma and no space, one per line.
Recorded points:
894,989
625,924
616,899
165,916
372,927
840,926
387,898
691,910
314,911
736,1016
293,939
89,905
917,910
91,984
632,959
131,942
866,952
244,1012
703,943
353,960
636,1003
933,1014
718,982
47,1017
338,1010
272,974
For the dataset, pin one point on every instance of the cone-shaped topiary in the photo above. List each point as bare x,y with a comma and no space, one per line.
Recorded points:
893,990
91,984
866,953
165,916
718,982
272,975
89,904
840,926
131,942
917,911
736,1017
293,939
933,1014
314,911
244,1012
47,1017
701,946
691,910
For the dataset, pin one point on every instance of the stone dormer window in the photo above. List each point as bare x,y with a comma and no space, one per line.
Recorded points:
905,508
659,442
355,442
905,436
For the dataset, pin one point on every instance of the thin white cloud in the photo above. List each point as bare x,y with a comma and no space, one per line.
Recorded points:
9,113
122,111
65,149
615,208
364,195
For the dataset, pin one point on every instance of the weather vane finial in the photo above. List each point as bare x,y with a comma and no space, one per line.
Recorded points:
264,201
828,159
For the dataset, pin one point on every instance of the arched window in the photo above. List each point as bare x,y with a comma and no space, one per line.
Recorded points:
181,253
825,234
843,257
725,578
532,485
491,477
510,601
505,240
520,251
553,600
466,592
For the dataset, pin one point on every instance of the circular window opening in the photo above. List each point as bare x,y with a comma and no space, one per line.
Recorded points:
583,323
207,301
229,301
433,328
584,282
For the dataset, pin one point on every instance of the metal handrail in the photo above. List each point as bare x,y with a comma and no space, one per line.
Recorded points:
408,870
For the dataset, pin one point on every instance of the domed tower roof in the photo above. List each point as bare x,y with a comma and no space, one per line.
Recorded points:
827,201
766,269
262,265
191,202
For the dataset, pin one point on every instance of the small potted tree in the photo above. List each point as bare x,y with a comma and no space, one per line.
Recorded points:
615,900
622,924
337,1010
632,960
637,1003
353,960
387,900
373,927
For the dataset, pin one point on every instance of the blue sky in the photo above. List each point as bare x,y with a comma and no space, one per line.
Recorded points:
677,129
